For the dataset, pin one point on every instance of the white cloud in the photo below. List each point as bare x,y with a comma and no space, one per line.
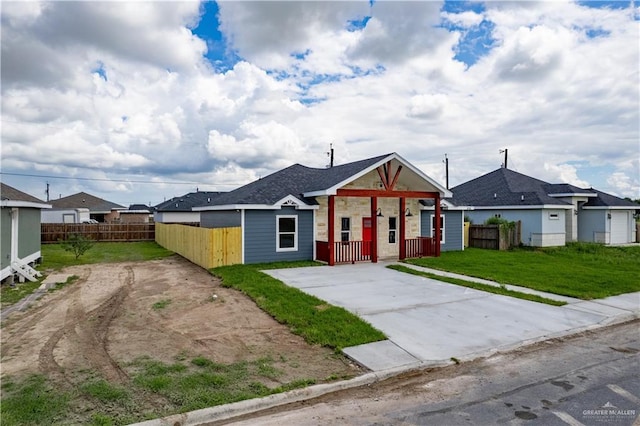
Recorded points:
546,90
624,185
464,19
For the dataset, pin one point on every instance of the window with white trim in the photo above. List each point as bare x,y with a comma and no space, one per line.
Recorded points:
345,229
287,233
442,228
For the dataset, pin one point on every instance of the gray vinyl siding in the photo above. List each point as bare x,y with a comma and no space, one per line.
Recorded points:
453,228
260,236
5,236
28,232
220,219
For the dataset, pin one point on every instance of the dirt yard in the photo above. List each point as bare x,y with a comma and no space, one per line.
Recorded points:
107,319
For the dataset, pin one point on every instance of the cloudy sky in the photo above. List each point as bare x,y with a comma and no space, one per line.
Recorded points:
136,102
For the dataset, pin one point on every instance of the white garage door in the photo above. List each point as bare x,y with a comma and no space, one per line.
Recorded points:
619,227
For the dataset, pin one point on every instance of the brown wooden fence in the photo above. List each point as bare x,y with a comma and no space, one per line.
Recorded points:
205,247
54,232
419,247
494,237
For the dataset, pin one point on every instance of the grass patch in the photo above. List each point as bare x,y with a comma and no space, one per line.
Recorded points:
10,295
55,257
205,383
161,304
104,391
478,286
157,389
582,270
306,315
32,401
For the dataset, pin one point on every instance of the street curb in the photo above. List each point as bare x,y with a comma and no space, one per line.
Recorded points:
237,409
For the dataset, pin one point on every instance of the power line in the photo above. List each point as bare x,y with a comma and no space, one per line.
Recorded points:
107,180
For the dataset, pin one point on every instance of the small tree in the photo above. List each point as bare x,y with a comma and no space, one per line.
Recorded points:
77,244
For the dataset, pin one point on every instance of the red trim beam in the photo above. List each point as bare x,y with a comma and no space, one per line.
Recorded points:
385,193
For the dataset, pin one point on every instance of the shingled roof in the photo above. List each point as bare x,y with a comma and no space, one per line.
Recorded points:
505,187
187,201
10,194
88,201
295,180
607,200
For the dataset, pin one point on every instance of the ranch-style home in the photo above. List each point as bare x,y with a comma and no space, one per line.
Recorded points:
20,233
362,211
551,214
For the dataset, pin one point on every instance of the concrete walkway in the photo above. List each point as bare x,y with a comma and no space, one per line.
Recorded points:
429,321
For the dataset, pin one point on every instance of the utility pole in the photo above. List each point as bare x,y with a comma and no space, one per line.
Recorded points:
446,169
47,192
506,152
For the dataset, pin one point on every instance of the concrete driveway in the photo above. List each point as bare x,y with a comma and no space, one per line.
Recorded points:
430,321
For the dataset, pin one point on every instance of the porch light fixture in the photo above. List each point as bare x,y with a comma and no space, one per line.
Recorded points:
408,212
379,212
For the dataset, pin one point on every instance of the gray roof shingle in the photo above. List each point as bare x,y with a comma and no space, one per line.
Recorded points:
10,193
505,187
84,200
185,202
294,180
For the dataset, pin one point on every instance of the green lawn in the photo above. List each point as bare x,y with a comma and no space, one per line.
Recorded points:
54,256
306,315
478,286
584,271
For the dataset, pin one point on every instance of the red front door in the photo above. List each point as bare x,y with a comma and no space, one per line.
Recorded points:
366,236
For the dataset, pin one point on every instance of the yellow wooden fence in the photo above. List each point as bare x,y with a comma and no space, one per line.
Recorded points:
203,246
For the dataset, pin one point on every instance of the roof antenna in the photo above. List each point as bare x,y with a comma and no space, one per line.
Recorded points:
330,155
506,151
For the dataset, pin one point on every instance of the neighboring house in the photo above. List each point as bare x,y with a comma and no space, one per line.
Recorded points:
180,209
100,210
66,216
551,214
451,224
137,213
19,232
365,210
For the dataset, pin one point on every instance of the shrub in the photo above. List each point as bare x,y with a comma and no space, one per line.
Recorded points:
77,244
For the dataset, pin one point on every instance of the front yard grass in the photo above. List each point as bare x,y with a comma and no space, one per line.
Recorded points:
306,315
581,270
55,257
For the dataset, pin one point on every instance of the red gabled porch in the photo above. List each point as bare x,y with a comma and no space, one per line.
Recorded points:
333,251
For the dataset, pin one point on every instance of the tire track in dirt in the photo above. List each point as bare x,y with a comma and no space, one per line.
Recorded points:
86,333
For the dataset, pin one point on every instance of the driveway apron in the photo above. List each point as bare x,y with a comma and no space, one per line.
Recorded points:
427,320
